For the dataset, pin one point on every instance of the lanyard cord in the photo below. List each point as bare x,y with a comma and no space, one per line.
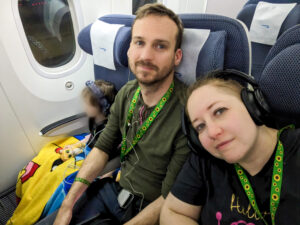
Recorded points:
147,122
275,185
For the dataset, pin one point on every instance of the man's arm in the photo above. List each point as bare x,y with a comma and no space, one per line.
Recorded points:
178,212
92,166
149,215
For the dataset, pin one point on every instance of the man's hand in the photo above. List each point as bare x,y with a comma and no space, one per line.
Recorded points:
64,215
149,215
91,168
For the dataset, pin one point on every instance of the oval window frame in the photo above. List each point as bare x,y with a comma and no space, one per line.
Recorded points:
79,56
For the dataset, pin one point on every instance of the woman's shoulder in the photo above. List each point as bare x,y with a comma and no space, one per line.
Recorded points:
290,137
291,142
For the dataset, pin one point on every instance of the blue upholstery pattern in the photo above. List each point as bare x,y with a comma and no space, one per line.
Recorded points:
260,51
280,79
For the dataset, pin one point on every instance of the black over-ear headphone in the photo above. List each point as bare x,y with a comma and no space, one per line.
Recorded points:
251,95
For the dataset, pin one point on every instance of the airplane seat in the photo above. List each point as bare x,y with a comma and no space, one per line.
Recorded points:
210,42
267,20
227,46
116,71
280,78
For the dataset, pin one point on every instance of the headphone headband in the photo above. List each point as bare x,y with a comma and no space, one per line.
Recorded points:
235,75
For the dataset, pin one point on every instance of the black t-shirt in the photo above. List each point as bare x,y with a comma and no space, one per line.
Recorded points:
214,185
95,130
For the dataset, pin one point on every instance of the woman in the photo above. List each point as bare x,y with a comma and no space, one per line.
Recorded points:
235,183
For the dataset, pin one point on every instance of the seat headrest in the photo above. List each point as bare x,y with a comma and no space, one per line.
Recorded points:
280,79
267,21
223,31
120,43
119,74
203,51
259,17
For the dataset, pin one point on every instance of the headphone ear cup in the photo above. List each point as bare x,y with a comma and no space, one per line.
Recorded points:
248,99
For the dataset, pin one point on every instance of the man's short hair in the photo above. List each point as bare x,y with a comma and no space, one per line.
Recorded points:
160,10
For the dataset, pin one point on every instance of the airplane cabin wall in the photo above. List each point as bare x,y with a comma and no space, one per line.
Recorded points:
34,101
228,8
15,148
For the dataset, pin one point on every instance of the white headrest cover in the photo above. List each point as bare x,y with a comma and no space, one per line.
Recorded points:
103,37
192,43
267,21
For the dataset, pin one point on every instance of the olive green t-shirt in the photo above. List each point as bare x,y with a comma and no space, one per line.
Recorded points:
150,168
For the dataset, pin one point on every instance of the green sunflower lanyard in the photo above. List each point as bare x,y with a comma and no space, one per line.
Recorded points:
146,124
276,181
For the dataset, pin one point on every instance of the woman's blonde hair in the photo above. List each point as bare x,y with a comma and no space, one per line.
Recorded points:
228,85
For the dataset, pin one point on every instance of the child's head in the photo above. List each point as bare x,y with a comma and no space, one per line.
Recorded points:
93,104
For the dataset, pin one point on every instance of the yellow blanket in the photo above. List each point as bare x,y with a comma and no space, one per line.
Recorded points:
39,179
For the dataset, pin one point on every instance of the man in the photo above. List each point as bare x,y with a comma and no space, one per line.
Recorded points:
146,118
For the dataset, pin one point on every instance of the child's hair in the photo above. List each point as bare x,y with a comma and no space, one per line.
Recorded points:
106,88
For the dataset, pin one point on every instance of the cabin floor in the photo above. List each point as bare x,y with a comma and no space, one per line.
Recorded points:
7,205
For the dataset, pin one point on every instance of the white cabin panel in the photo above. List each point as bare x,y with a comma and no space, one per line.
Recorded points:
228,8
16,150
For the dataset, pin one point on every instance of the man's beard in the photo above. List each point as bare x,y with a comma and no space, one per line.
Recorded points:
160,76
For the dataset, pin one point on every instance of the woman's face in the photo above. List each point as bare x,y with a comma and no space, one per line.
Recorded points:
225,128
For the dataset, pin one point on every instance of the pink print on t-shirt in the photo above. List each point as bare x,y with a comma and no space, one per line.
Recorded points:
240,222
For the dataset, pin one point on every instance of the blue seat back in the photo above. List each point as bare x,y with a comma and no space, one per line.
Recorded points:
260,51
236,45
227,46
280,79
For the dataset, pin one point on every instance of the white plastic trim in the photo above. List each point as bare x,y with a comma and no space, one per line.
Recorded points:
79,56
249,44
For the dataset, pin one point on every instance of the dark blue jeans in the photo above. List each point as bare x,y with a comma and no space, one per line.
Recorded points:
99,203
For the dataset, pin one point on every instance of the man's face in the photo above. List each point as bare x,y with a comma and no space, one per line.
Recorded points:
152,54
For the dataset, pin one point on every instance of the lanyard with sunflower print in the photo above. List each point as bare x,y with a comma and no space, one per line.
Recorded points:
146,124
275,185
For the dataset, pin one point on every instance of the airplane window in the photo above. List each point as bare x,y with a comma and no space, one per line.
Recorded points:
138,3
49,30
